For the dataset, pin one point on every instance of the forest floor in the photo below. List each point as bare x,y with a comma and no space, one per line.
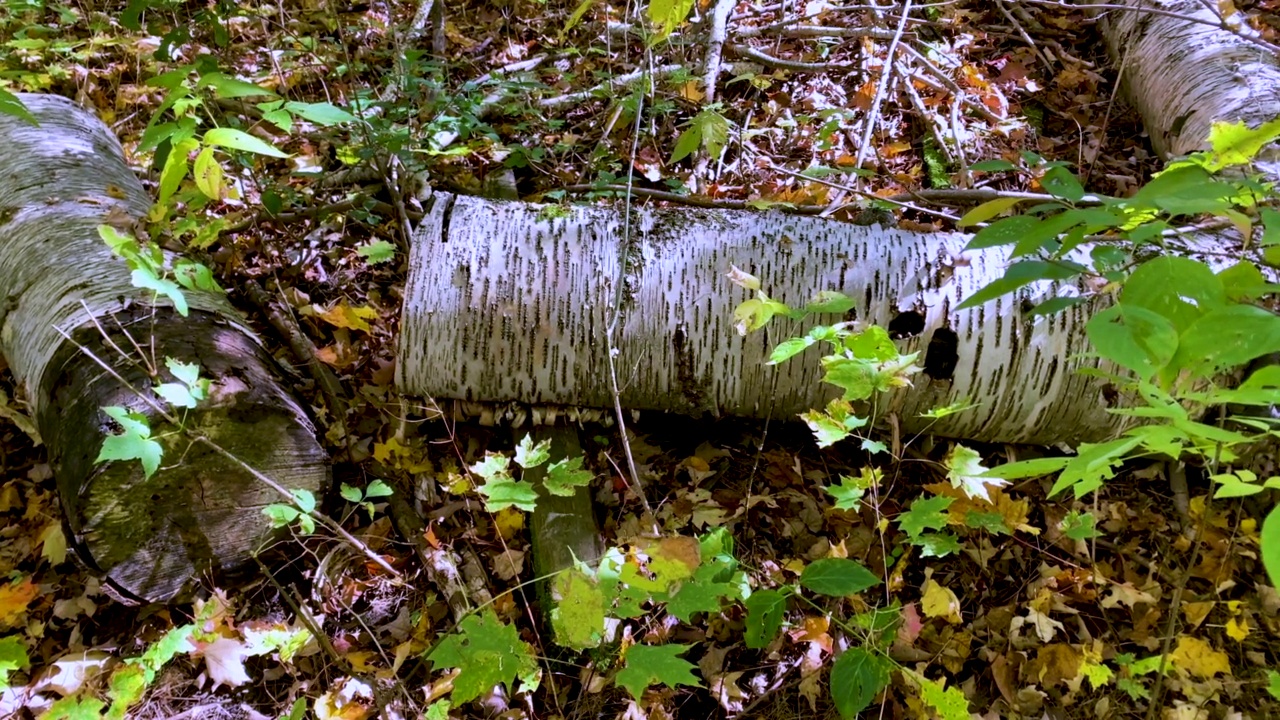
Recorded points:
532,98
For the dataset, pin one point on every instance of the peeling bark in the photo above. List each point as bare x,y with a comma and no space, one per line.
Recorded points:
508,303
198,513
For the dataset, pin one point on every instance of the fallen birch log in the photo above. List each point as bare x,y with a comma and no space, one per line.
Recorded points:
69,306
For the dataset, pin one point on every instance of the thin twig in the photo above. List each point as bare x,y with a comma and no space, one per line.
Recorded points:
1106,117
619,297
874,114
1026,38
610,87
778,63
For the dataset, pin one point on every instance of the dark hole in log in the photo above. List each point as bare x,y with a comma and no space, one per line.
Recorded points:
941,357
905,325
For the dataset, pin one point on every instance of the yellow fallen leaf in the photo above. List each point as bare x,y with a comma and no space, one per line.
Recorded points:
691,92
508,522
940,602
1199,658
1238,628
1196,612
54,544
1055,663
344,316
362,660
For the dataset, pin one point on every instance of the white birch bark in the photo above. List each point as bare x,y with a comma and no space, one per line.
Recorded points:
508,302
1183,76
61,180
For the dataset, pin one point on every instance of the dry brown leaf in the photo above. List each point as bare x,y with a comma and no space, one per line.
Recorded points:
1053,664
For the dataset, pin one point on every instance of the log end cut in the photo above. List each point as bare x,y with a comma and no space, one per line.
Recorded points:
200,514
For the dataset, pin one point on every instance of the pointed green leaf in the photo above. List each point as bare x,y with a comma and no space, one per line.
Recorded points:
764,617
837,577
238,140
857,676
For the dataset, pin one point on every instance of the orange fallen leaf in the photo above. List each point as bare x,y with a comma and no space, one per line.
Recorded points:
14,599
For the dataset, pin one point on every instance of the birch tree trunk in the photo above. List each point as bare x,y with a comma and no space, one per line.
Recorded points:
199,512
1183,76
508,302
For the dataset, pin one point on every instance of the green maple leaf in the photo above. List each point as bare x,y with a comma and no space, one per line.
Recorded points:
965,471
950,703
505,493
700,596
925,514
1273,683
128,683
176,394
188,373
146,279
134,443
565,476
1079,526
487,653
530,455
992,522
649,664
834,424
492,467
13,656
936,544
579,614
75,707
851,490
377,251
172,643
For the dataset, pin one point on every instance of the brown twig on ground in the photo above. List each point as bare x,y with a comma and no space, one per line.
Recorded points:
873,115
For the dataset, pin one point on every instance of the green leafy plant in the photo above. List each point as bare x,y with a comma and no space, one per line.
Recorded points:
283,515
709,129
501,490
1178,330
135,440
13,656
487,652
364,498
151,270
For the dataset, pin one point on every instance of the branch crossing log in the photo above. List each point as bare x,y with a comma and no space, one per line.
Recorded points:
198,513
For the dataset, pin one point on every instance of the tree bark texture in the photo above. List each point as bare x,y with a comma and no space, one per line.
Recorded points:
1183,76
509,302
198,513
